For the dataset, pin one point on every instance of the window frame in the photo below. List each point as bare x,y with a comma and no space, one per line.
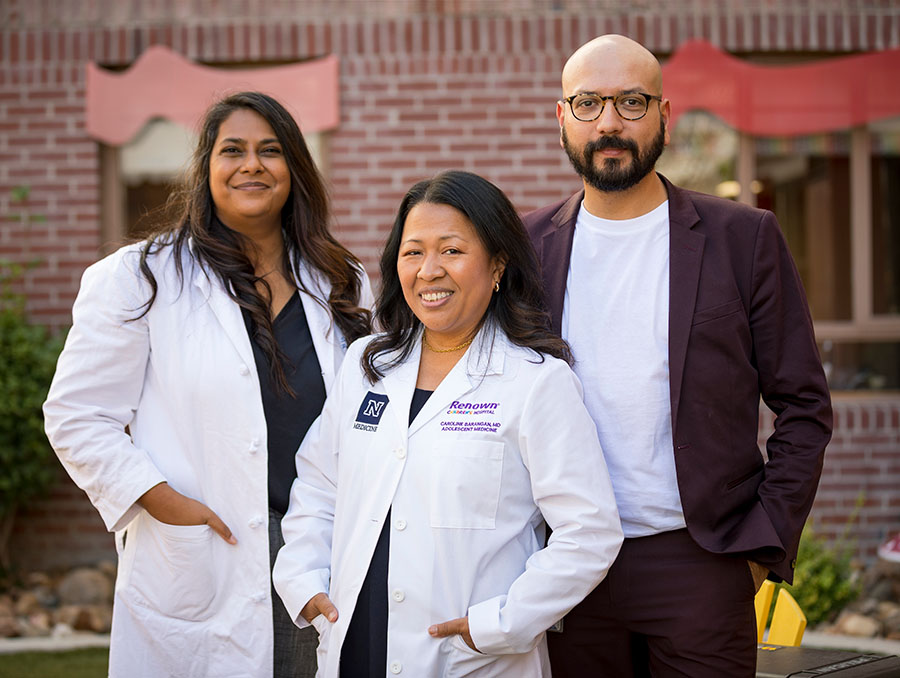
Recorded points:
864,326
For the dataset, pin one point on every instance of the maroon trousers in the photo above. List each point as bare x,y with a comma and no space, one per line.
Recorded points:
667,608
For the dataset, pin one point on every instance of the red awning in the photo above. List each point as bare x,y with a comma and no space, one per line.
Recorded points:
823,96
163,84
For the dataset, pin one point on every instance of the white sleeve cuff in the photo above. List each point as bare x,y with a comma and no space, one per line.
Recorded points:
487,632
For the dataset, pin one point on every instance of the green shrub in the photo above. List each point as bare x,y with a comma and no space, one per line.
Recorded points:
28,356
824,581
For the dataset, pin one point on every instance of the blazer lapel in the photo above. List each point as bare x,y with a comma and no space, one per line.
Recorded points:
685,255
556,250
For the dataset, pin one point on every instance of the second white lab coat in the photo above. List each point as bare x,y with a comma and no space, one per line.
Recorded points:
502,444
183,379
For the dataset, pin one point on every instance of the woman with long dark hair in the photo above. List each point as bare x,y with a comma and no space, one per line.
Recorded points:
416,528
196,362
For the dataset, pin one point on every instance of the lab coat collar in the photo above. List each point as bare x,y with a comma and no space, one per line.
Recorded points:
485,356
226,310
329,348
328,341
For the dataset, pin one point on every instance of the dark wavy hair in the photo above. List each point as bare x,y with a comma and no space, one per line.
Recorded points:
223,252
517,308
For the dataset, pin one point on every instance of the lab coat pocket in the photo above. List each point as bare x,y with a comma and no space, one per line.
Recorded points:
173,569
464,661
465,483
320,624
323,628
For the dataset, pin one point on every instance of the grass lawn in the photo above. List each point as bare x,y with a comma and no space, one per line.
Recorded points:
88,663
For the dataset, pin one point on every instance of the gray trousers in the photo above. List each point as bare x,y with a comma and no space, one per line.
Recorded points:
295,649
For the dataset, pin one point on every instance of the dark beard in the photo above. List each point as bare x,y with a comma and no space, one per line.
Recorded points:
611,177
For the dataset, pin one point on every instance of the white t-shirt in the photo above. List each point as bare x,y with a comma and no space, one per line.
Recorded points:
616,319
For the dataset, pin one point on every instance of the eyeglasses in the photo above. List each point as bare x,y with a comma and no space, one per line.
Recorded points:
588,106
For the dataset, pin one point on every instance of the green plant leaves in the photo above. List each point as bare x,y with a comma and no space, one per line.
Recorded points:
28,356
823,579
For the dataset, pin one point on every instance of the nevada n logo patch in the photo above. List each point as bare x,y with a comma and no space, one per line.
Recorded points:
370,410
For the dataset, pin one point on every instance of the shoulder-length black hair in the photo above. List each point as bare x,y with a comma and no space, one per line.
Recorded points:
224,252
517,308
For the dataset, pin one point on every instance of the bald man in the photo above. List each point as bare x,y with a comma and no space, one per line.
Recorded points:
682,311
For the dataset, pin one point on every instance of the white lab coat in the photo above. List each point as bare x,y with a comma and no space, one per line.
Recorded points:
502,444
184,381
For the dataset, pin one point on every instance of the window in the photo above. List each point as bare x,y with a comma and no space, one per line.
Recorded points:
886,218
805,181
150,166
837,197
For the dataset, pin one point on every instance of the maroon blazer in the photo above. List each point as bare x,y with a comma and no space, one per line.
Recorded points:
739,329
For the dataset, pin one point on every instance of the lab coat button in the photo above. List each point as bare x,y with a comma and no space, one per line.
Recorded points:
400,524
255,522
244,370
398,595
400,452
260,598
396,667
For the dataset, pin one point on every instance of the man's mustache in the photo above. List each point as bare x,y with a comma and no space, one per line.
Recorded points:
606,143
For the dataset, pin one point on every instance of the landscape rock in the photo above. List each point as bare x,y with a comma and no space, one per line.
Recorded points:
876,612
855,624
38,579
27,604
867,606
881,590
59,604
35,625
6,604
891,624
85,586
61,630
9,627
68,615
887,609
109,568
99,618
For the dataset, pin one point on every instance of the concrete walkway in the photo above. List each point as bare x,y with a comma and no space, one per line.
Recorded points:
77,641
73,641
827,641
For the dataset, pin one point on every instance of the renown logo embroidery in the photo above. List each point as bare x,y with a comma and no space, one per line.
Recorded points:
456,407
370,411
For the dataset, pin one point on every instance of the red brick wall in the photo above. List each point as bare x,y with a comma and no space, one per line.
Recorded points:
63,530
424,85
861,477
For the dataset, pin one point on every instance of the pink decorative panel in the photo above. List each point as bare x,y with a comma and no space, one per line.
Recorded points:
821,96
163,84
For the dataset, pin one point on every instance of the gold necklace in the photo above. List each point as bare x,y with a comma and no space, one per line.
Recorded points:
445,350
